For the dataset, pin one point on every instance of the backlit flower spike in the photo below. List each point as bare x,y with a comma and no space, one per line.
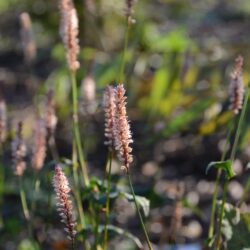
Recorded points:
69,30
123,137
236,88
64,204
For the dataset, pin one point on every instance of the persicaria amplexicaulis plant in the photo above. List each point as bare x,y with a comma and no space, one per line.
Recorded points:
64,204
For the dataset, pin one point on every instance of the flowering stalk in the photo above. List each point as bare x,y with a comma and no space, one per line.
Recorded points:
215,194
64,204
236,93
232,157
109,109
123,139
123,136
69,34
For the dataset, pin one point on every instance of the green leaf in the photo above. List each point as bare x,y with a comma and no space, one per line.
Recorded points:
143,202
224,165
236,228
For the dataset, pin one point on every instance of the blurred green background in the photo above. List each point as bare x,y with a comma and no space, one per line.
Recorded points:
180,54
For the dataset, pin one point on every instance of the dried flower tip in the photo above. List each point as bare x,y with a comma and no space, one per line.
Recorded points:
109,109
18,152
39,148
50,116
64,205
129,11
3,120
27,38
236,88
122,129
69,33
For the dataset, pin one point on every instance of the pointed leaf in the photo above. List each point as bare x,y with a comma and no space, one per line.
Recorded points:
224,165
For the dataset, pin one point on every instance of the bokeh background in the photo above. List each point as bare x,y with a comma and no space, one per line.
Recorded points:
180,54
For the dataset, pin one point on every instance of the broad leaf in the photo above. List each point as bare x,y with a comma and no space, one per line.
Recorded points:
236,228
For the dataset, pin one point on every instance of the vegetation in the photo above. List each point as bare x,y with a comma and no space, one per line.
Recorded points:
124,132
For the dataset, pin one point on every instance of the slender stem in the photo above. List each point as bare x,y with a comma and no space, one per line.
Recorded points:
23,200
26,212
211,225
77,136
218,240
232,156
238,131
110,156
76,189
139,213
35,192
121,79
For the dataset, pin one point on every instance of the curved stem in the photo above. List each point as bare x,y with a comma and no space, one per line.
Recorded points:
77,136
26,212
232,156
76,186
218,240
211,225
139,213
110,156
36,186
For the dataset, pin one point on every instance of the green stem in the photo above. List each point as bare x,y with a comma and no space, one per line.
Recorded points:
121,79
232,157
26,212
76,184
77,136
36,186
211,225
139,213
218,240
110,156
